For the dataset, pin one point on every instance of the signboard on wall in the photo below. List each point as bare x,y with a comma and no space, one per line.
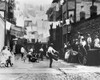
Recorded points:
3,6
16,31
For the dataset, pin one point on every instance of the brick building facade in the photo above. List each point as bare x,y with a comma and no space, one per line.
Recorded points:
66,10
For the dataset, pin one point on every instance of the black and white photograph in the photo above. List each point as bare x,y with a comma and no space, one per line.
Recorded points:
50,40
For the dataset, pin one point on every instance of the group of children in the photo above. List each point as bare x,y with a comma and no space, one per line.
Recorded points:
31,54
82,44
6,57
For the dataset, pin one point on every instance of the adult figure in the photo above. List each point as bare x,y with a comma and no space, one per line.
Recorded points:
75,45
29,55
12,58
67,54
22,52
97,42
65,47
74,51
14,48
18,51
31,50
25,55
82,51
83,42
81,39
41,52
51,52
89,41
37,47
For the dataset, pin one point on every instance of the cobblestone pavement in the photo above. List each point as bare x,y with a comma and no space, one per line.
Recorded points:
50,76
40,71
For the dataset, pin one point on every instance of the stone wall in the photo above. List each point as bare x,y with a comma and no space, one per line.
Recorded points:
91,26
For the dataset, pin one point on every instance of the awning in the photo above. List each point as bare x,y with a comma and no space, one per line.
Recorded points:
16,31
